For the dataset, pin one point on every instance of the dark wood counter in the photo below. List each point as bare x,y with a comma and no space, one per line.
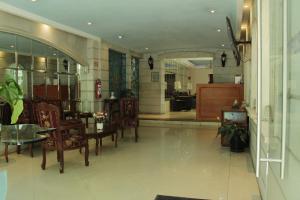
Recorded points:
211,98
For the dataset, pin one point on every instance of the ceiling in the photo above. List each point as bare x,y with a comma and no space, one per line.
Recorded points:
160,25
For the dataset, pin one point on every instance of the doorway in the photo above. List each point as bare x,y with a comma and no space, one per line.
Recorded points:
278,136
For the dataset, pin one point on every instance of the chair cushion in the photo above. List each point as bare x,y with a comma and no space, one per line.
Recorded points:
73,141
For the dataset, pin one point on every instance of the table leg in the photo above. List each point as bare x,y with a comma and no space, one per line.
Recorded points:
97,146
86,122
18,149
30,149
6,152
43,165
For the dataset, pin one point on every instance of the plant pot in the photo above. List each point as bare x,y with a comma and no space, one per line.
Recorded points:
236,144
225,141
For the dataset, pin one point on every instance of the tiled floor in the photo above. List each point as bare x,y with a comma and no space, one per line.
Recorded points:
167,161
181,115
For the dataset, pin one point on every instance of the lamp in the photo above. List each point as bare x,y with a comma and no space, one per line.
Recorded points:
177,85
189,87
223,59
150,62
66,64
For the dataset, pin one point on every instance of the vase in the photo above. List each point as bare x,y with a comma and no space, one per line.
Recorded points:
99,125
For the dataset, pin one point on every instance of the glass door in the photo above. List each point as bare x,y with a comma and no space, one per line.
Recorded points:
278,168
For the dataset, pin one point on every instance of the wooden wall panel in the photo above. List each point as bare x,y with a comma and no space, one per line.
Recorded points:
211,98
52,92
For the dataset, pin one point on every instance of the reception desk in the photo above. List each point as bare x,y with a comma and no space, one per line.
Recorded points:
211,98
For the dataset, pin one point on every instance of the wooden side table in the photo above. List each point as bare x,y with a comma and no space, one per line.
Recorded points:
85,115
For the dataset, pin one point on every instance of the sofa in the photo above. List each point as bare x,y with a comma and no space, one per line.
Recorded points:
181,101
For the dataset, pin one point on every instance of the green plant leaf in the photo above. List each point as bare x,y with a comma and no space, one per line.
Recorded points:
17,111
11,93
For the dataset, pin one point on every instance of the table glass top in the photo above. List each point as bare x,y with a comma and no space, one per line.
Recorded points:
22,133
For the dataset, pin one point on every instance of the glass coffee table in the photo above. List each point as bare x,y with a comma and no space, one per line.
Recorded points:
108,130
22,134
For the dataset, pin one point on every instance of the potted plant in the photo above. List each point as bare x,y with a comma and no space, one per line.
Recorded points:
11,93
235,136
225,132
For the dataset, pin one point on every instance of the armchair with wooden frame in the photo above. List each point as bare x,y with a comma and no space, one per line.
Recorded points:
129,115
66,136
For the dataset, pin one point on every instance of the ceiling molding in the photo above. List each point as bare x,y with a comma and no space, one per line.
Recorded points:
28,15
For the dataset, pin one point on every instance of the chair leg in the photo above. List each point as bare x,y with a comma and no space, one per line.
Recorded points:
86,155
57,156
116,140
61,154
44,157
6,152
122,132
112,138
136,134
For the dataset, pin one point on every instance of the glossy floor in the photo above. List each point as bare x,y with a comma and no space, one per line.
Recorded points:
168,161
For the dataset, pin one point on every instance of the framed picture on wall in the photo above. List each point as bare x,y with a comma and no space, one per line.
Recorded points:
155,76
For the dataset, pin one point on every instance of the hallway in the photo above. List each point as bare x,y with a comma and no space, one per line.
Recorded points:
168,161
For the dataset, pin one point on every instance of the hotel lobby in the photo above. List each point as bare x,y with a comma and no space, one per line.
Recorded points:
149,100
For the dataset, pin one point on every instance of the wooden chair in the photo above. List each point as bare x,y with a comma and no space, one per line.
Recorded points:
66,137
129,115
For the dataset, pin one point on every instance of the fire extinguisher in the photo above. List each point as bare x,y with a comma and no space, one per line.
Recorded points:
98,88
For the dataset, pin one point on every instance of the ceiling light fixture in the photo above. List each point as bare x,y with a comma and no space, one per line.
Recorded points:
33,0
243,27
219,30
89,23
246,6
12,46
223,45
212,11
147,48
120,37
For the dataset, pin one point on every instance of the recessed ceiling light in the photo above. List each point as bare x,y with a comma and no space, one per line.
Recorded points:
54,54
223,45
219,30
120,36
12,46
146,48
33,0
246,6
89,23
212,11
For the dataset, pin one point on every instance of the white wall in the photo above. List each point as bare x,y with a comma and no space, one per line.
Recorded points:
152,94
199,76
225,74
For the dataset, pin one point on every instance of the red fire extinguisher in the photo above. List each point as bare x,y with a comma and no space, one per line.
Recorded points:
98,88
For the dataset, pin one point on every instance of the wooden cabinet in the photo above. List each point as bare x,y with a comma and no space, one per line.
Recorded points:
212,98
